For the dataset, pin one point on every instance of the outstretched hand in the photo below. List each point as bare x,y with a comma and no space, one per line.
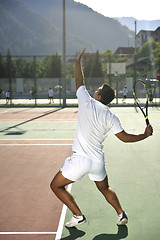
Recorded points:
80,54
149,130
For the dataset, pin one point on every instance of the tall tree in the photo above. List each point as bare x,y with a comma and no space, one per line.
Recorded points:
88,62
156,53
2,67
53,66
97,66
147,49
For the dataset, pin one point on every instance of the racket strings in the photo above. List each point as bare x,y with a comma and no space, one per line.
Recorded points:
141,94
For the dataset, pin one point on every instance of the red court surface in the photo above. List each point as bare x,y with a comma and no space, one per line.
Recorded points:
37,114
28,206
27,203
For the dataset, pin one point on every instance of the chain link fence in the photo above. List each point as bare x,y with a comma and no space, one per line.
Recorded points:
26,80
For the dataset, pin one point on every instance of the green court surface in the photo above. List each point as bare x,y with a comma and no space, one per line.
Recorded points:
38,130
26,124
133,170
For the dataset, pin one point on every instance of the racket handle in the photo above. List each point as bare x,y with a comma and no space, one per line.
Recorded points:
147,122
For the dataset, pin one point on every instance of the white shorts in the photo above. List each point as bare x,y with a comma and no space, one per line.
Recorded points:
77,166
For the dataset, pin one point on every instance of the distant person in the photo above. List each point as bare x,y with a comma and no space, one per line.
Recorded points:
7,97
125,91
150,95
33,91
1,92
50,95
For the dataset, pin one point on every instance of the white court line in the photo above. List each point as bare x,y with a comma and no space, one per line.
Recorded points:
42,120
19,233
4,112
34,139
35,144
62,218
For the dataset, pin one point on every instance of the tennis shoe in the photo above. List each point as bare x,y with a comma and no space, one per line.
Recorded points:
76,221
123,219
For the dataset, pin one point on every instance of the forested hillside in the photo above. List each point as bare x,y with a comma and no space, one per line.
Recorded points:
35,27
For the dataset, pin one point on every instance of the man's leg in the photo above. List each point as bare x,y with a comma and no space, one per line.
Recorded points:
109,194
58,187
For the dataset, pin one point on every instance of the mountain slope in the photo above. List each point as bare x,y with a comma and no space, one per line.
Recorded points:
141,24
24,31
82,21
34,27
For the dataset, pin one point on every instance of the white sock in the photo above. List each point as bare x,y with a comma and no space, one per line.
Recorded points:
120,215
78,217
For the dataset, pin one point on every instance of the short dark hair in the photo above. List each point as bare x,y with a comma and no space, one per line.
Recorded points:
107,94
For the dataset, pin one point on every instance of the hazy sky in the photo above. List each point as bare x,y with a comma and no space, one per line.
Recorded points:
139,9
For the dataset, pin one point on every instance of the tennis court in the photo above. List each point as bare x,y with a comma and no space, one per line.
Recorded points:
34,143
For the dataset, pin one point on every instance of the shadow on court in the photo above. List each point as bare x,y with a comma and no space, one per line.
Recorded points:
19,132
121,234
76,233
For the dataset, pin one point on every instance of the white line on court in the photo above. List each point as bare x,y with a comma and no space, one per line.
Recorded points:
4,112
19,233
32,139
36,144
62,218
48,120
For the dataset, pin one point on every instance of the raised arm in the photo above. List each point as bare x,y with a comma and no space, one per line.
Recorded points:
79,77
126,137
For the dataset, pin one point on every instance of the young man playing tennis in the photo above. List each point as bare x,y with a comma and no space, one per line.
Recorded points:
95,120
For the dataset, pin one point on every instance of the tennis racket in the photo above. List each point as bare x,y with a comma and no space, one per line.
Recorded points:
140,93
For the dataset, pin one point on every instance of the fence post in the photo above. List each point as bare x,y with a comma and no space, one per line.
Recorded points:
64,58
10,78
116,88
35,81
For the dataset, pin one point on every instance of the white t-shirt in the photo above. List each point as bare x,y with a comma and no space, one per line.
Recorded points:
95,120
7,94
50,93
125,91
